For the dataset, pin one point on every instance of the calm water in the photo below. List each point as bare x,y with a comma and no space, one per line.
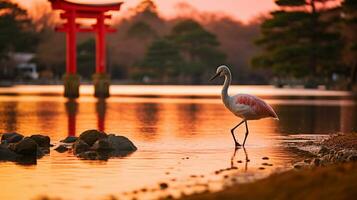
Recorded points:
181,140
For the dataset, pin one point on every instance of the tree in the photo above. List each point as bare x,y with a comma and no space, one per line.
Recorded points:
349,17
86,58
198,47
162,60
298,42
16,28
141,30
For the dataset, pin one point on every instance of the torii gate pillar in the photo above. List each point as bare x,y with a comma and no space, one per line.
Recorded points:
97,11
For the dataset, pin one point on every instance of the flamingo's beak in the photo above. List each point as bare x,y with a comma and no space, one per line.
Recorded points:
215,76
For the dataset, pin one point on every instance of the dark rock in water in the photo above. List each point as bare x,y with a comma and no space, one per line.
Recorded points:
11,138
102,145
265,158
61,148
27,146
42,151
121,145
96,145
89,155
26,160
91,136
42,140
70,139
80,146
6,154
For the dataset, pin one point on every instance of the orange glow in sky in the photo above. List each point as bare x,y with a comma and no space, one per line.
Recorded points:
244,10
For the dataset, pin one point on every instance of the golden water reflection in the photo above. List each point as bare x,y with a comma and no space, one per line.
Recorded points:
176,138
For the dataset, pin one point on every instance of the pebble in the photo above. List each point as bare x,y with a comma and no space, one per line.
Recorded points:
163,186
61,149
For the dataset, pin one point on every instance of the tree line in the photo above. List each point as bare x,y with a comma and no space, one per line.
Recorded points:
311,41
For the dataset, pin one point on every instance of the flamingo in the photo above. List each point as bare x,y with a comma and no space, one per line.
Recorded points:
245,106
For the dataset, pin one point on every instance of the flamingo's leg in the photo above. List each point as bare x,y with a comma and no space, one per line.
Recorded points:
246,132
232,131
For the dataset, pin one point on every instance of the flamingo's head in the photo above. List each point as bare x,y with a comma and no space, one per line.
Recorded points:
221,71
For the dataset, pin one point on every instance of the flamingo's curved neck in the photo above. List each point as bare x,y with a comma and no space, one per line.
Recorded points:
227,82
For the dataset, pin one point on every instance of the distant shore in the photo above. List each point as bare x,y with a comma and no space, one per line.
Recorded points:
185,91
331,173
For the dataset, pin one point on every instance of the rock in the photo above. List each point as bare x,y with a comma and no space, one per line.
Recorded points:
42,140
297,166
70,139
102,145
317,162
121,145
80,146
6,154
61,148
27,146
352,158
89,155
11,138
163,186
265,158
91,136
324,150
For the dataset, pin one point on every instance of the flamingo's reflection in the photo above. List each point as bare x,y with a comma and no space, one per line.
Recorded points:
235,153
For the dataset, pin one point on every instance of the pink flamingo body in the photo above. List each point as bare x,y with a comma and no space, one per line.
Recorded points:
250,107
244,106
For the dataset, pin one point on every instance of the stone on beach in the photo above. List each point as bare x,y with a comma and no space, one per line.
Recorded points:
11,137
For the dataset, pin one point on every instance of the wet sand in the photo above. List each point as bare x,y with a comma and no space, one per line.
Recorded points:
333,177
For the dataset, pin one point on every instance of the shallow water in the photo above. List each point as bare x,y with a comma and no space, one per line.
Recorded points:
181,140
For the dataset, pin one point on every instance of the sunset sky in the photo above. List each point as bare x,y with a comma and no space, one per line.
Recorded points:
243,10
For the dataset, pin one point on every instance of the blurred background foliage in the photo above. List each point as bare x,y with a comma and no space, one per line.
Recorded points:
307,41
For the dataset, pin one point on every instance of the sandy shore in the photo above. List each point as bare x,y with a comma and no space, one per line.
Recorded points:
330,174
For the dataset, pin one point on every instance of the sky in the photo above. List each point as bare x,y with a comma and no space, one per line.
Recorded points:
243,10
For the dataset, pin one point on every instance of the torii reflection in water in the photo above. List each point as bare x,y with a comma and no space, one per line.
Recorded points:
246,158
72,111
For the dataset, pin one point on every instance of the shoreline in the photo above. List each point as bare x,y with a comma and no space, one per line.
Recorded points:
329,171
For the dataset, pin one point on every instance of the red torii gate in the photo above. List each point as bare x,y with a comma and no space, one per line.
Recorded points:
93,11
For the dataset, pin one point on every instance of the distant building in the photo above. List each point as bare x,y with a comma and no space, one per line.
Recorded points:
25,69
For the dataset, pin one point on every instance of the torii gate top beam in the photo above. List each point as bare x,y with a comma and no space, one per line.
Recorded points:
67,5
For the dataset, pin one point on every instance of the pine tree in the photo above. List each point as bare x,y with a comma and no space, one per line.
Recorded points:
298,42
162,60
16,29
198,47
